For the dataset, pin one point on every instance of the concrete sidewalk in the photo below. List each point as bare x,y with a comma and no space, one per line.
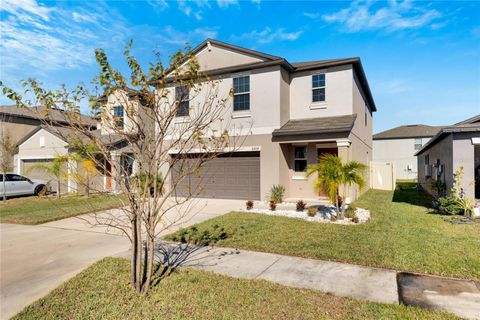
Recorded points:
461,297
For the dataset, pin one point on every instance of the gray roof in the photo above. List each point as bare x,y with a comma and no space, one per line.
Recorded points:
42,114
316,125
474,119
408,131
459,128
68,135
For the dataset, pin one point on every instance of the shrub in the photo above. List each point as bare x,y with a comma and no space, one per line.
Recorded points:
312,211
350,212
450,205
140,181
276,193
355,219
193,235
273,205
249,204
301,205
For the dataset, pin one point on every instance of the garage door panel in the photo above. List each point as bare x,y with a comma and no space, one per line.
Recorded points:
229,177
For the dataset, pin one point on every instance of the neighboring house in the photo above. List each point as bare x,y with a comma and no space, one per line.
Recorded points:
20,122
451,148
398,146
295,112
45,143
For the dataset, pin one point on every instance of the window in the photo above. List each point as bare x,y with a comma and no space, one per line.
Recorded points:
118,116
300,159
127,161
427,159
15,177
318,87
418,143
241,93
182,97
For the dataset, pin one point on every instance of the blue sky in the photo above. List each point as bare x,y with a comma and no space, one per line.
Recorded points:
422,59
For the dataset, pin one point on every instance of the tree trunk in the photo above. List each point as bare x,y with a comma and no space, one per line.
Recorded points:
150,252
133,258
138,256
58,188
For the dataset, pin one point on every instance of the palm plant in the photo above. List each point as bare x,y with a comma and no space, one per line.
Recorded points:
55,170
332,173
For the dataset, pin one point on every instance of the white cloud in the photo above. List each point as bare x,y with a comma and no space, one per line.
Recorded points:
368,15
226,3
395,86
312,15
178,38
42,39
268,35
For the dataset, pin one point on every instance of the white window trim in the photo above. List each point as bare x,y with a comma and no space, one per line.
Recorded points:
240,93
318,104
241,114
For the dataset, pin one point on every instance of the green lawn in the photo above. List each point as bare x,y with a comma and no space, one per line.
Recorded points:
401,235
103,291
36,210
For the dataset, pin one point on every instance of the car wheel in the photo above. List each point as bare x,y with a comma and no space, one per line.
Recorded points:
40,190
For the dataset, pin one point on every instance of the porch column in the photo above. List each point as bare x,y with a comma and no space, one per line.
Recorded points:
72,171
343,146
116,170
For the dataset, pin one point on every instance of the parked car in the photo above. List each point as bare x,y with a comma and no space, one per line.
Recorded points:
17,185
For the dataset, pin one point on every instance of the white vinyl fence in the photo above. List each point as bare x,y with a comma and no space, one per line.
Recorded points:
382,175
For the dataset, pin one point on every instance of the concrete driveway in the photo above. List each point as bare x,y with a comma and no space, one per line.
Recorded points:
36,259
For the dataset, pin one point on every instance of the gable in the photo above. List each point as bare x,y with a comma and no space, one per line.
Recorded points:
42,139
215,57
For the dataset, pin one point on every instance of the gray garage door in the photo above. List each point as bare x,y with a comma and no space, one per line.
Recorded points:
31,168
232,176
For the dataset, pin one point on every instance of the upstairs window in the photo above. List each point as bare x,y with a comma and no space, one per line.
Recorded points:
182,97
427,159
300,159
241,93
418,143
318,87
118,116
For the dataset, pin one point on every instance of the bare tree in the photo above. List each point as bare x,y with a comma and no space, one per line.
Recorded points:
174,122
7,152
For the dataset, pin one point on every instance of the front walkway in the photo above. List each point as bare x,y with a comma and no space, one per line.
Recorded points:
461,297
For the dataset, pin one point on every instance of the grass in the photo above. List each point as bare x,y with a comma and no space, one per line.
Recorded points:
402,234
103,291
37,210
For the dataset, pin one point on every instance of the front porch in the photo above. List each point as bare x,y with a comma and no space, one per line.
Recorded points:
303,142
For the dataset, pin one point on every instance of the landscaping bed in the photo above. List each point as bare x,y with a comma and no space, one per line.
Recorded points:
402,234
325,214
37,210
103,291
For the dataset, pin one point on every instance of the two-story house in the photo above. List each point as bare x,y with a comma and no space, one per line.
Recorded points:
294,112
398,146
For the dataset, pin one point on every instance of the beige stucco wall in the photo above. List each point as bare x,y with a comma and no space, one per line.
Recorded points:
214,57
265,100
454,151
338,94
443,150
42,145
131,110
400,152
464,156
